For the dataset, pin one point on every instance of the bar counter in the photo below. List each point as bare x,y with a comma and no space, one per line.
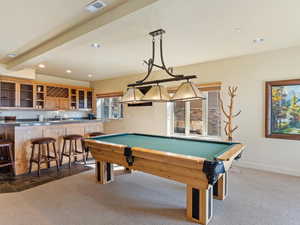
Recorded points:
23,132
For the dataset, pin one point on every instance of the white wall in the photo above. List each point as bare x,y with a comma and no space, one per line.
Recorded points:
60,80
31,74
148,120
26,73
249,73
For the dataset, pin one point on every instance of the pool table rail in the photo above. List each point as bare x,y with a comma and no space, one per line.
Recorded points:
173,166
232,153
162,169
158,161
177,159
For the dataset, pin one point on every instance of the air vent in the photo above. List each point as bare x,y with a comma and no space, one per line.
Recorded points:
95,6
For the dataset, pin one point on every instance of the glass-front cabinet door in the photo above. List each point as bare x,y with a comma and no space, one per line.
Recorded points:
26,95
7,94
81,99
89,99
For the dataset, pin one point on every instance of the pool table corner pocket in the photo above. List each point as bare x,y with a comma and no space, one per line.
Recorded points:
212,169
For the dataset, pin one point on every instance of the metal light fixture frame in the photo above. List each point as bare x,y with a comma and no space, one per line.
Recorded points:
151,64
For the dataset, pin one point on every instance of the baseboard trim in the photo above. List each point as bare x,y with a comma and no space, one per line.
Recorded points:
258,166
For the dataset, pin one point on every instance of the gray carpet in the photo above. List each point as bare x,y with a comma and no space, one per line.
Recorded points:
256,198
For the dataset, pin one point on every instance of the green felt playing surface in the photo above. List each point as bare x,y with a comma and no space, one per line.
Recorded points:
199,148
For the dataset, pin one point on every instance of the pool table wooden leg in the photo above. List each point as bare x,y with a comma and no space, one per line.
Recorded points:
221,187
104,172
199,204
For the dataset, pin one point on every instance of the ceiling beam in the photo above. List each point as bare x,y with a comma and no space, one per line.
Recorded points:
80,29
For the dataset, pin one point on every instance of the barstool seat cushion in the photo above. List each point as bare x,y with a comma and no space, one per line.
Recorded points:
44,140
73,137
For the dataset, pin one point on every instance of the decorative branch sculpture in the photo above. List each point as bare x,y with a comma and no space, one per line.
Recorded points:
229,129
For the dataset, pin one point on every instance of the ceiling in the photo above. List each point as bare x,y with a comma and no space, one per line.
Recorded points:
196,32
25,24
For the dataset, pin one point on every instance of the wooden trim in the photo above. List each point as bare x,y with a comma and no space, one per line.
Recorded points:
110,94
214,86
232,153
268,100
146,166
210,89
172,158
284,82
142,162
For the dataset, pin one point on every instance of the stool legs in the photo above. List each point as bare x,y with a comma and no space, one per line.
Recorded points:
6,150
43,158
83,152
11,156
62,152
31,158
48,154
56,156
72,151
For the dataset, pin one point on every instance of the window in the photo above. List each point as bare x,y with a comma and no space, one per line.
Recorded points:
197,117
109,108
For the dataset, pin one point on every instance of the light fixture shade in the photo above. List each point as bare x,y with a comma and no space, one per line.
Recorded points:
132,95
157,93
187,91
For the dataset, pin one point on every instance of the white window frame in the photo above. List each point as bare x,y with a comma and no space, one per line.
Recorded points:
100,102
171,120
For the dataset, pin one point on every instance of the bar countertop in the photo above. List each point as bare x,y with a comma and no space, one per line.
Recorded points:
46,123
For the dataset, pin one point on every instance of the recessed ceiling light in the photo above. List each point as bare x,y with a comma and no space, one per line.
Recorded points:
90,75
95,45
94,6
69,71
42,66
258,40
12,55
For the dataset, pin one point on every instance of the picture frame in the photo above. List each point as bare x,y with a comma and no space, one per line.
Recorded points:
282,109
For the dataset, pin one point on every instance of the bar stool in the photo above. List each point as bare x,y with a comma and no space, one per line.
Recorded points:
7,160
73,150
43,157
89,135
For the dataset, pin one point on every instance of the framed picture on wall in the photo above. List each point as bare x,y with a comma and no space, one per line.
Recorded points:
282,118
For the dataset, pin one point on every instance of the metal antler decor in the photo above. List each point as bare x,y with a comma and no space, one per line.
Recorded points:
186,91
229,129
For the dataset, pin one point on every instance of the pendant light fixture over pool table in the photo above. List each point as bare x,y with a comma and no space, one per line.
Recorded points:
187,90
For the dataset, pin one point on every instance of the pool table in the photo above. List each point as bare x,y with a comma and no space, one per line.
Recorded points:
201,164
